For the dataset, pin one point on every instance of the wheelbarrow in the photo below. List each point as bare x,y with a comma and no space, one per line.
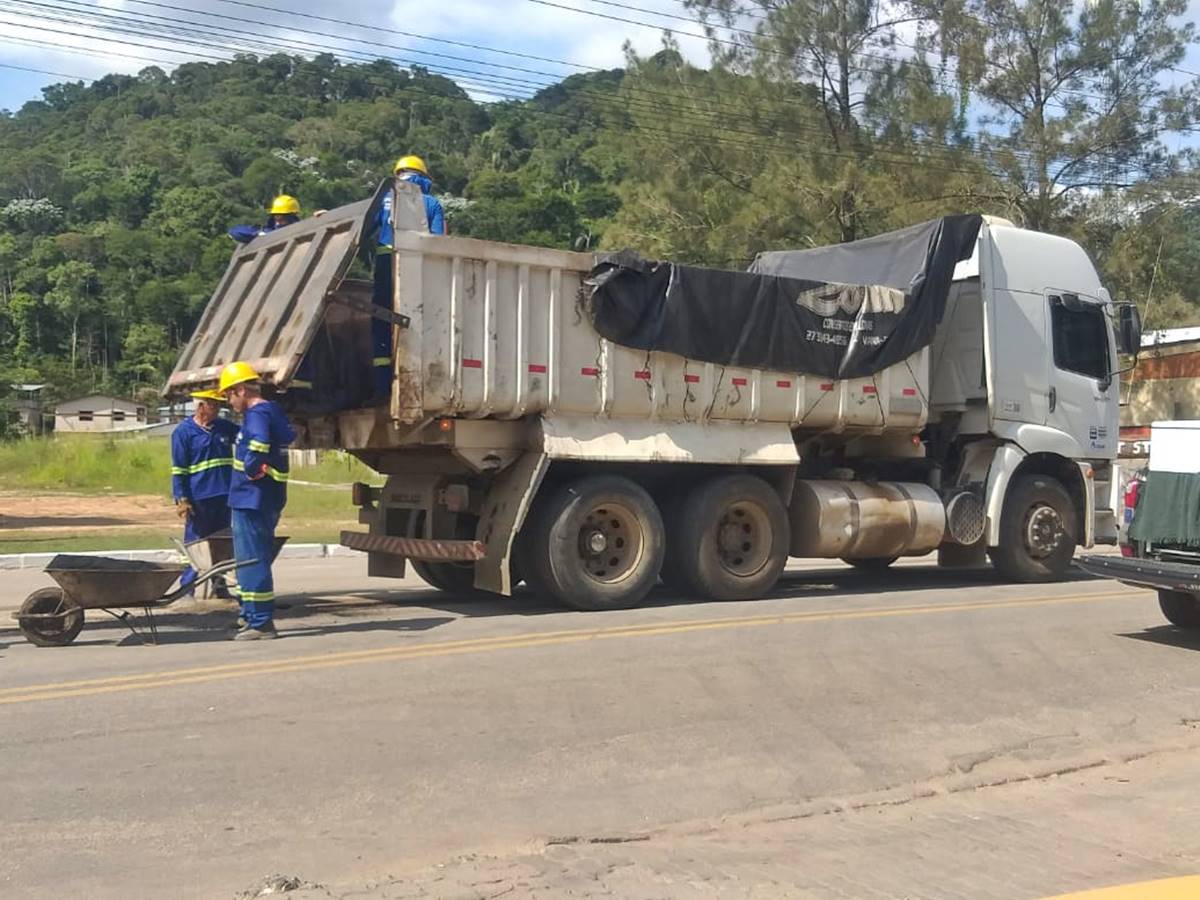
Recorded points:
53,616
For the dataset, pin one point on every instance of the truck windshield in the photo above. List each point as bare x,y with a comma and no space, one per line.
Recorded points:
1080,339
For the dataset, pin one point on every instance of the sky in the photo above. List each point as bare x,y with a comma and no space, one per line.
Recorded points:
557,37
574,40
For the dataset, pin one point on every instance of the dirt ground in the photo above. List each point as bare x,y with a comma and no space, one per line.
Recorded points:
71,512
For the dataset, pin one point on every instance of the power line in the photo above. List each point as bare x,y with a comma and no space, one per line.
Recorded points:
690,116
44,72
483,82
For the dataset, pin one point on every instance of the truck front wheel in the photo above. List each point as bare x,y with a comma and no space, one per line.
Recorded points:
596,543
1181,609
1037,531
729,540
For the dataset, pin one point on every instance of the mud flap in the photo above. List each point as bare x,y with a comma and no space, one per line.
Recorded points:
504,512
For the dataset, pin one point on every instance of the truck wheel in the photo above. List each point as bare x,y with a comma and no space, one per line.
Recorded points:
596,543
875,565
1181,609
731,539
1037,531
50,632
453,578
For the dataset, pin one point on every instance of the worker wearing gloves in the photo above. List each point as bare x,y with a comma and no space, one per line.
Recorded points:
201,466
414,170
257,494
285,210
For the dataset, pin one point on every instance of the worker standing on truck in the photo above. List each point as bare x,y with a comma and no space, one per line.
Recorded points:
411,169
201,466
257,494
284,211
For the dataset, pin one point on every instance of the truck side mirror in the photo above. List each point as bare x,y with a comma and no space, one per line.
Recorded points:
1129,329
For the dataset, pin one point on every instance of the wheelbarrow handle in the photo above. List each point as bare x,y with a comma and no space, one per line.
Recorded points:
207,575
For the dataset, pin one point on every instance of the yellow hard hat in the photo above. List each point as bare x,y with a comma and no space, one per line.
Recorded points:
236,373
413,163
206,395
285,205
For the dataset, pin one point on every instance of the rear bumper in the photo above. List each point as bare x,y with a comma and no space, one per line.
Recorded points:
415,548
1150,573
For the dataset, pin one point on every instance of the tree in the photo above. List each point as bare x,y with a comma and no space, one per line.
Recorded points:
1078,96
73,297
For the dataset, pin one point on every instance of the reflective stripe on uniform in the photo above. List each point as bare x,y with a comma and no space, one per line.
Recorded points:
202,466
381,361
276,474
305,385
257,596
259,446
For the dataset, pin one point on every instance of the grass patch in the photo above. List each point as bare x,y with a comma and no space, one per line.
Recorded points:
132,465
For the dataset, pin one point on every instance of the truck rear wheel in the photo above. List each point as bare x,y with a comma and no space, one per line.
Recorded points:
1037,531
453,578
596,543
730,539
1181,609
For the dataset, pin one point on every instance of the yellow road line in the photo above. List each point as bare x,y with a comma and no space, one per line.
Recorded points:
1185,888
198,675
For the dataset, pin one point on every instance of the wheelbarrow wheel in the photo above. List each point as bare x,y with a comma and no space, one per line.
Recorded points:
62,625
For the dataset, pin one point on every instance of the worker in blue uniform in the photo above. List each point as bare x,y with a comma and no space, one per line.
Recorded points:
411,169
201,466
257,494
285,210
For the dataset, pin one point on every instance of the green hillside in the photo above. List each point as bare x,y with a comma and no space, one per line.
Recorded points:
115,196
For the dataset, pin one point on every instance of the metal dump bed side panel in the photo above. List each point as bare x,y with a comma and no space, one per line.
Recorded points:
501,331
269,304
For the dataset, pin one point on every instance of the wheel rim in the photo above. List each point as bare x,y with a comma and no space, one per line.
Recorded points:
611,543
743,539
1043,530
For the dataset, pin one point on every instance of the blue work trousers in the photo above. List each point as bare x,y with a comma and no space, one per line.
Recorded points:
209,516
381,331
254,538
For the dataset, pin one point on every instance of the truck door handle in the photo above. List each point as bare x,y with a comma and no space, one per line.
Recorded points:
1053,398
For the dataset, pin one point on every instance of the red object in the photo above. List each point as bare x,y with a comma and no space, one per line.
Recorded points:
472,363
643,375
909,392
1133,491
1127,550
783,384
868,388
589,370
739,382
537,368
692,379
827,386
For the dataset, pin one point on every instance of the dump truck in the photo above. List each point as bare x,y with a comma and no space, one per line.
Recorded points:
592,425
1162,550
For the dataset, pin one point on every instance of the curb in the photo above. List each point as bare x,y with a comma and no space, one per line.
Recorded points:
289,551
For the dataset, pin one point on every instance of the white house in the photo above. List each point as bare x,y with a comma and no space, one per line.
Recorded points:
98,414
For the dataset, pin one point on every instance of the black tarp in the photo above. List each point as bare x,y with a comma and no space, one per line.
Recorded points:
845,311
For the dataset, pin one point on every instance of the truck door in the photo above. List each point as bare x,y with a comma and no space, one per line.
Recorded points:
1018,369
1081,379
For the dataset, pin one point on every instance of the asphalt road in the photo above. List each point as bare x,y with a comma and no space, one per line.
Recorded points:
390,732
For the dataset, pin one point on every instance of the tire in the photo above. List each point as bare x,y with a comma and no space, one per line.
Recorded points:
1181,609
875,565
1037,509
731,539
453,578
596,543
50,632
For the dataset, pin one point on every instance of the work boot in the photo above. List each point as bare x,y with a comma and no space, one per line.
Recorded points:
266,633
238,624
